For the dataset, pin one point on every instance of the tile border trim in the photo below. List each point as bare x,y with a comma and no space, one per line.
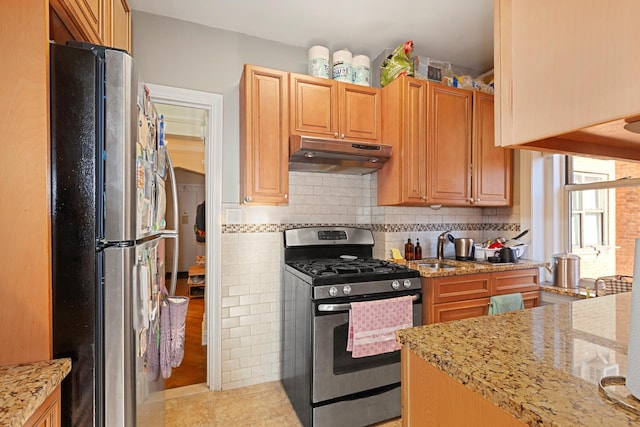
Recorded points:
383,228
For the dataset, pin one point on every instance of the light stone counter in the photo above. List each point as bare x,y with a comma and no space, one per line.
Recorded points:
23,388
467,267
540,365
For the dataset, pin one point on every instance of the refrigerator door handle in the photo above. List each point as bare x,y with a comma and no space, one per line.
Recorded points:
174,194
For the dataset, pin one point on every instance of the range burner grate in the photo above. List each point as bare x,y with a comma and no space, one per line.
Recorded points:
331,267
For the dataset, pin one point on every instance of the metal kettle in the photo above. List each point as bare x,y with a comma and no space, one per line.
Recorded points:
464,247
566,270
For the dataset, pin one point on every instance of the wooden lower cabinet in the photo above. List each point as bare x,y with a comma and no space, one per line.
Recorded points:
464,296
48,414
432,398
531,299
459,310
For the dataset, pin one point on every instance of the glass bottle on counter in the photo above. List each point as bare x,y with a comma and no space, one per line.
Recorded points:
418,250
408,250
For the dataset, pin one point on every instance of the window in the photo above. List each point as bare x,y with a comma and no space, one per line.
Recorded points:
603,204
588,209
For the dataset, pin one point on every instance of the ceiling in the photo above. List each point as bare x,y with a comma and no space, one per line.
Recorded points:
457,31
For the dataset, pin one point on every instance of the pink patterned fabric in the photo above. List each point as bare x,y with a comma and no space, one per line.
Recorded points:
372,325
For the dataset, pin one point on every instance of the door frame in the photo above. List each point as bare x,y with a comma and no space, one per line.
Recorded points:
212,103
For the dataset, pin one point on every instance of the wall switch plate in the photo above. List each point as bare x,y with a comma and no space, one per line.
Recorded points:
234,216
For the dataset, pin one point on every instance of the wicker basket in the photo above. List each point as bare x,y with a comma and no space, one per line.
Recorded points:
608,285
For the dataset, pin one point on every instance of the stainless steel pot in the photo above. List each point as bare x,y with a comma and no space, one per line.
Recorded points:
464,248
566,270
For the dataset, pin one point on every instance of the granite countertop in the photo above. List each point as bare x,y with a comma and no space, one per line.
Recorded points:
467,267
541,365
24,387
580,292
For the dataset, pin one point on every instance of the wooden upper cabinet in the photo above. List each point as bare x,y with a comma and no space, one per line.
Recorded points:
443,151
328,109
403,178
85,19
492,183
360,112
449,116
120,25
264,136
562,76
314,106
102,22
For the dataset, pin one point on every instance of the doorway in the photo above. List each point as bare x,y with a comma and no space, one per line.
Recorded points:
189,197
210,106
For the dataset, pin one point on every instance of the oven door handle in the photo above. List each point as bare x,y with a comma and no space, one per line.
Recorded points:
347,306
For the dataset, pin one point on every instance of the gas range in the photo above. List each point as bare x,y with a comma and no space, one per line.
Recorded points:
324,257
327,270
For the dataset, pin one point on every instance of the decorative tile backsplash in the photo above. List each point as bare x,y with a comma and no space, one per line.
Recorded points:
252,251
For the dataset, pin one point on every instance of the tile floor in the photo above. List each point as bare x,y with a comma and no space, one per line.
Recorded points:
262,405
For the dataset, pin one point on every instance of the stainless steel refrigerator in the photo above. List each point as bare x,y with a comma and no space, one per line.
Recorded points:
109,169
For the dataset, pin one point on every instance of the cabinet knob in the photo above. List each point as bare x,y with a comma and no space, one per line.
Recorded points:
335,135
247,199
478,200
342,136
471,200
286,196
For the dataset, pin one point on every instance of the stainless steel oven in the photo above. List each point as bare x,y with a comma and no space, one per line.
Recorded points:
327,269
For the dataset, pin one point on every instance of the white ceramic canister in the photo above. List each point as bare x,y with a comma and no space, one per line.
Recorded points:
319,62
342,66
360,71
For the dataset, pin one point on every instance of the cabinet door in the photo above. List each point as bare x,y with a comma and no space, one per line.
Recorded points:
459,310
535,40
48,414
360,112
85,19
458,288
506,282
492,166
531,299
449,145
264,136
120,25
402,180
314,106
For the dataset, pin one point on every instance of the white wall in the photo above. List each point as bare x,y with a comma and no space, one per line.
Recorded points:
177,53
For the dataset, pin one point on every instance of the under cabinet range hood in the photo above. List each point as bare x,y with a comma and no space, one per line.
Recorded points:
336,156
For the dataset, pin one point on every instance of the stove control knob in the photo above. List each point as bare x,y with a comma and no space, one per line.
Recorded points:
346,290
406,283
333,291
395,284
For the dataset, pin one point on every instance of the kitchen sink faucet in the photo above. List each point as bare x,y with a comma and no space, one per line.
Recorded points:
442,238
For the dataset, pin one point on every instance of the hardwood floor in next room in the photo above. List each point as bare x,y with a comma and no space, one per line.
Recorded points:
193,369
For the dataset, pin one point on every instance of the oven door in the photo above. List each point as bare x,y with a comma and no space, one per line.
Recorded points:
335,372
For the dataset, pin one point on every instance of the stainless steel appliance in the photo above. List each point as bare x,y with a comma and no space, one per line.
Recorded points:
326,269
464,248
108,173
566,270
336,155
